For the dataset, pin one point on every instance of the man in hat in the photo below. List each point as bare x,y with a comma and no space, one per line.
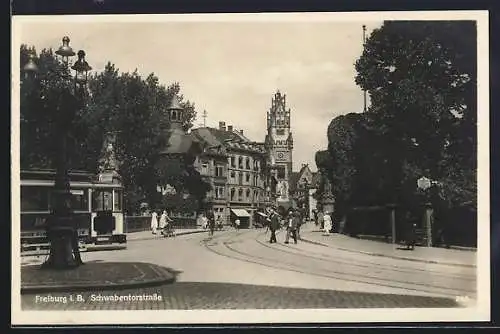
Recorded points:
292,223
274,225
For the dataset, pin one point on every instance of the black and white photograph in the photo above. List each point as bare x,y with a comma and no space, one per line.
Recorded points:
250,168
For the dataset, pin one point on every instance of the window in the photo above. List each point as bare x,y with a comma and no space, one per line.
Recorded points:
256,195
240,179
35,198
80,200
118,200
248,163
233,162
248,194
240,194
233,175
247,177
240,163
219,171
280,132
281,172
102,200
232,194
219,192
204,168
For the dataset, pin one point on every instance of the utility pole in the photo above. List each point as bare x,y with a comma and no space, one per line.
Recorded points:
204,118
364,90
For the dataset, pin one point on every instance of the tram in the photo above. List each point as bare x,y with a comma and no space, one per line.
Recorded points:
97,206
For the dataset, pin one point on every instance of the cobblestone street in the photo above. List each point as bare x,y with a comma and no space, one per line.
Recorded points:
240,269
196,295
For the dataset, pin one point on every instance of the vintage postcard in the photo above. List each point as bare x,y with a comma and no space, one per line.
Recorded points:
250,168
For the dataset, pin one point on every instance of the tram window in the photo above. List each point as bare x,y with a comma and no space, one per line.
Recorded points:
34,198
118,200
80,199
102,200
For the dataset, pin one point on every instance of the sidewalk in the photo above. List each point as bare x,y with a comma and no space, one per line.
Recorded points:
147,235
453,257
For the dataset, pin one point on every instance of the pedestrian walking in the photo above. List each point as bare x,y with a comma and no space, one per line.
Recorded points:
327,223
237,224
211,223
321,221
274,226
204,221
293,225
219,223
293,222
154,222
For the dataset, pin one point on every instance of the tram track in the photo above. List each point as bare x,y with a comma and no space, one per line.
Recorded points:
362,264
228,250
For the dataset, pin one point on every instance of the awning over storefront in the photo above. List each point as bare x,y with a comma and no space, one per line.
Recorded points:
240,212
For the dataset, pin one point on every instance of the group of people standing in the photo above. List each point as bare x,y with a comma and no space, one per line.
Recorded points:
291,222
324,221
162,225
208,220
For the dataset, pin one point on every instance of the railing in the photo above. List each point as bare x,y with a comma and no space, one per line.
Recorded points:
450,227
143,223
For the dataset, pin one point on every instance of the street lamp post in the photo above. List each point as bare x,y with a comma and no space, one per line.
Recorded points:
307,200
60,227
425,183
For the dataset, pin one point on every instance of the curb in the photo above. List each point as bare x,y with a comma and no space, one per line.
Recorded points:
462,248
167,279
389,256
177,234
103,248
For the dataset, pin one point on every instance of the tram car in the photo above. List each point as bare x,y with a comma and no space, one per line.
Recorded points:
97,208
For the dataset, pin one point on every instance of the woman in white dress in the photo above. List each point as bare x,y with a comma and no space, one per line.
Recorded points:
327,223
154,222
163,220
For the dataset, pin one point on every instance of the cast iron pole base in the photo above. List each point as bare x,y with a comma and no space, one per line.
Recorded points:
64,252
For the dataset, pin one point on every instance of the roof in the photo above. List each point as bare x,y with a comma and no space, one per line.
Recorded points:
230,139
316,178
50,174
240,212
295,177
178,143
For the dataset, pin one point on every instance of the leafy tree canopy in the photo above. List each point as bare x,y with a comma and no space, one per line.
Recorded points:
126,104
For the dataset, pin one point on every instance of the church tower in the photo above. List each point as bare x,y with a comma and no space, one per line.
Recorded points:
279,143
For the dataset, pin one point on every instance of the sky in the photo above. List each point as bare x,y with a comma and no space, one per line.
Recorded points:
231,68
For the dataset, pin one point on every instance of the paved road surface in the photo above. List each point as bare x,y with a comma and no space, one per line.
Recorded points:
245,257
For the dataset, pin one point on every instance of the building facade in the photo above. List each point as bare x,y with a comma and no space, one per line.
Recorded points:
303,186
279,147
212,165
237,172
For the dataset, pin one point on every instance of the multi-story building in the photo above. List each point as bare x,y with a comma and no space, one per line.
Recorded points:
303,185
212,165
242,161
279,147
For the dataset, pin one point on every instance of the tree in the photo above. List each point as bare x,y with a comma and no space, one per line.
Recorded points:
40,100
126,104
421,78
